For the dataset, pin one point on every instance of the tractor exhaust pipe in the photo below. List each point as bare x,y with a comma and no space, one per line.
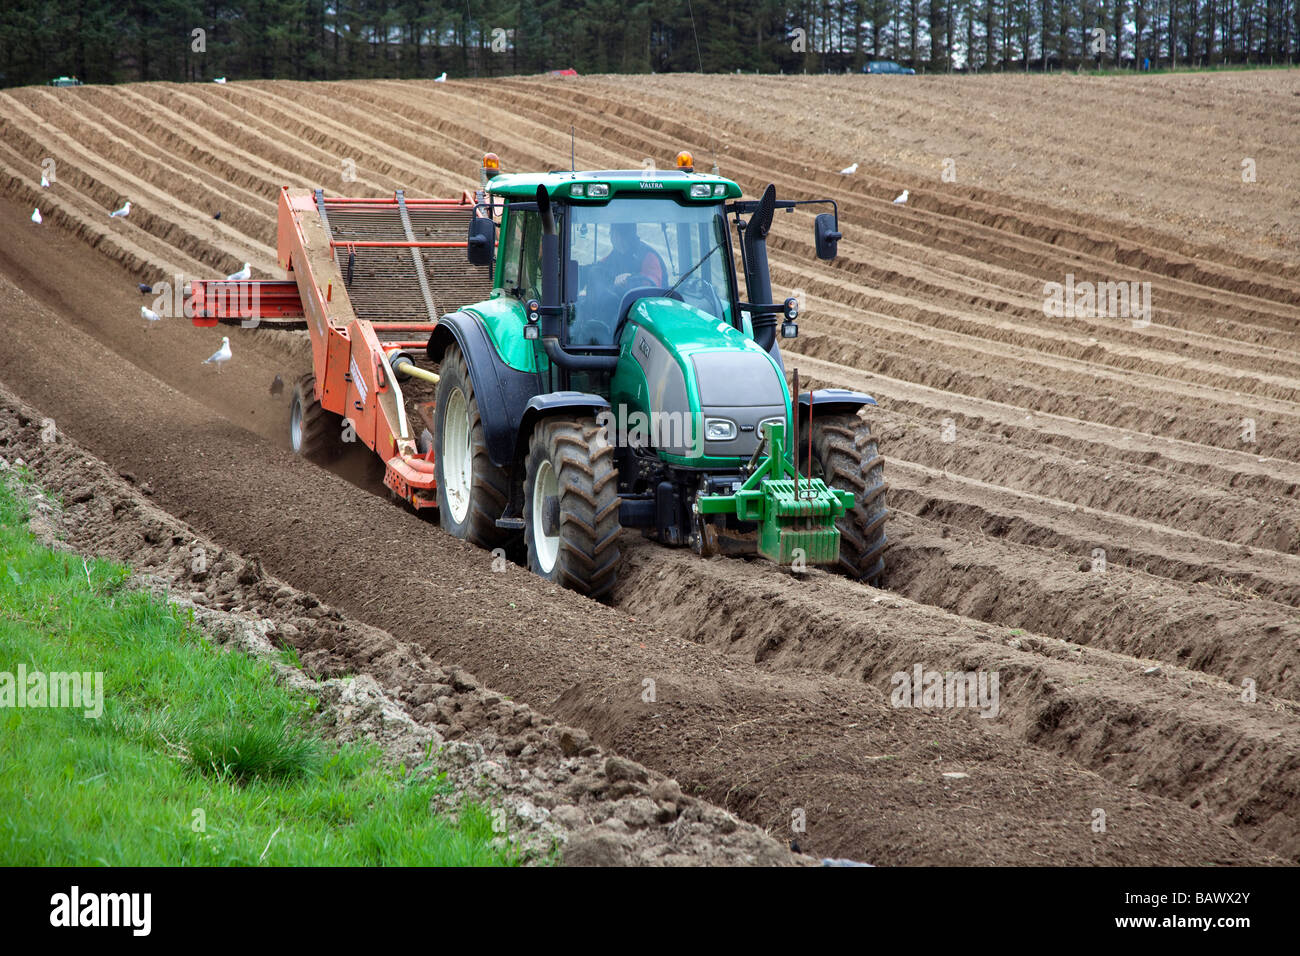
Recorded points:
758,280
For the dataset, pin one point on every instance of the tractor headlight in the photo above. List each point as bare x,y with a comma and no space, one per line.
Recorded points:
701,191
719,429
578,190
762,426
598,191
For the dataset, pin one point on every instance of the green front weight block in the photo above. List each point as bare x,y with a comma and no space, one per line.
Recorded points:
790,525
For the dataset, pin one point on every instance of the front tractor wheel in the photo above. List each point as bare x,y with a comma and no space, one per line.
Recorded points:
571,506
844,456
472,492
314,433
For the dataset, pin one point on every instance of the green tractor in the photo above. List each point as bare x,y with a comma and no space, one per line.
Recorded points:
616,379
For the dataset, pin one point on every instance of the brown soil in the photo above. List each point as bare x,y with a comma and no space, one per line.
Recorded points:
552,792
1067,436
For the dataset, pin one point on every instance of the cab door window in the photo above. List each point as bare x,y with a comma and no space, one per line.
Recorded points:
521,272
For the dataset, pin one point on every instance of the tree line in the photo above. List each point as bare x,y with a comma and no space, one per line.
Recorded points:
103,41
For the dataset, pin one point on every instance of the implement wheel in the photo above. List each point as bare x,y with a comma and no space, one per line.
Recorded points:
313,432
571,506
844,456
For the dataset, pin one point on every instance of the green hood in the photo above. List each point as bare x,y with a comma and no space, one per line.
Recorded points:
682,367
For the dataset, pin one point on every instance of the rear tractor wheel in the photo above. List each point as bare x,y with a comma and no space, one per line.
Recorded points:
314,433
844,455
571,506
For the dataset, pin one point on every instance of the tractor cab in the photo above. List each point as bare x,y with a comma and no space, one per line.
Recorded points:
622,247
619,236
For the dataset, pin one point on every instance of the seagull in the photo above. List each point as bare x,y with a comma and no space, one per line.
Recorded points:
221,355
45,181
277,386
37,217
219,79
901,199
121,213
150,316
241,275
441,79
144,289
849,170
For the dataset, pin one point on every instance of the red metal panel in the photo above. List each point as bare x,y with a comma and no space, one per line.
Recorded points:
216,299
348,356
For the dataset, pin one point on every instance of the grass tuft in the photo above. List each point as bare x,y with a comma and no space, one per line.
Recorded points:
245,754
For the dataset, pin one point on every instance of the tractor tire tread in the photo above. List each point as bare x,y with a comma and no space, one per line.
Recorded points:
849,458
589,555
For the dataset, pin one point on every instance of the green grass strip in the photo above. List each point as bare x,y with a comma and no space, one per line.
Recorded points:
199,757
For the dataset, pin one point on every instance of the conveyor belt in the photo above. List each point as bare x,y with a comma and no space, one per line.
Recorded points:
386,285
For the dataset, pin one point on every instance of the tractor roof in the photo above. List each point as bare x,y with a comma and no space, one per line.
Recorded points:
639,182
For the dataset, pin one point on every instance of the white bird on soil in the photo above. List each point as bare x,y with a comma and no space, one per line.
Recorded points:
901,199
150,316
441,79
849,170
221,356
45,181
121,213
241,275
37,217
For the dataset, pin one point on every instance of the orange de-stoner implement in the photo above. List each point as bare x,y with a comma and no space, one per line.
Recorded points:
563,355
366,278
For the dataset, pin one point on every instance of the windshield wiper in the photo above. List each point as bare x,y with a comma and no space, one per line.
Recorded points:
704,259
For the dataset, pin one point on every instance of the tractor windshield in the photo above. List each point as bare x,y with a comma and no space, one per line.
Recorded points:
650,244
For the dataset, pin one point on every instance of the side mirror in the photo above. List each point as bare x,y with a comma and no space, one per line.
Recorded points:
826,236
482,239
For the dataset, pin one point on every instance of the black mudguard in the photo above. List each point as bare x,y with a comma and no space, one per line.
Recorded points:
503,393
831,400
543,406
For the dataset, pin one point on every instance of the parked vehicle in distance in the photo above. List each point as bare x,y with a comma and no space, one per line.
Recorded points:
887,66
65,81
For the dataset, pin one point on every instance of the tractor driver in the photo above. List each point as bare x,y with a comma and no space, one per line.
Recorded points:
631,258
630,264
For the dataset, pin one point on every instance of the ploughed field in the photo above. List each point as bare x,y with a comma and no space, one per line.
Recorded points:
1101,506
